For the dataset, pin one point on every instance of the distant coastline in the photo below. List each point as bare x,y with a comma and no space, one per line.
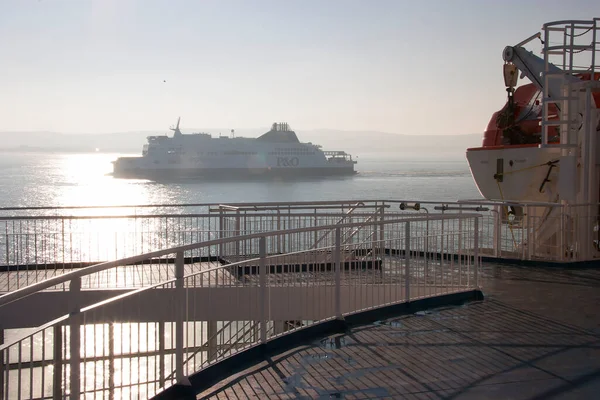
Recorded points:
353,142
41,149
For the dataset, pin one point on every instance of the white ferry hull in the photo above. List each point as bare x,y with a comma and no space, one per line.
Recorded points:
232,173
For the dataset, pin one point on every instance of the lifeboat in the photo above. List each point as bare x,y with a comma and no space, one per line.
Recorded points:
510,153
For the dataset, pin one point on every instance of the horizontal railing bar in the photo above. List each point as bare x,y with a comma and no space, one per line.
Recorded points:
250,207
520,203
181,216
321,207
587,23
38,329
349,202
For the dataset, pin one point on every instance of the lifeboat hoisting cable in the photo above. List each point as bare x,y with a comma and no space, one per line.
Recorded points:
507,211
506,119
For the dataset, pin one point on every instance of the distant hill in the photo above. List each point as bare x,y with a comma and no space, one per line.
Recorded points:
360,142
355,142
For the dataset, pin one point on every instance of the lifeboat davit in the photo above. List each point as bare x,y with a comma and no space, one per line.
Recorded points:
510,153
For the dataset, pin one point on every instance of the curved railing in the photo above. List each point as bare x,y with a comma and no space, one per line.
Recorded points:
135,343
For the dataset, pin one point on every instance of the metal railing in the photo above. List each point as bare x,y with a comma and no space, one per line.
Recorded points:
514,230
37,247
138,342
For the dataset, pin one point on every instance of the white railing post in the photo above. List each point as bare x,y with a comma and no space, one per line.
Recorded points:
74,336
179,313
111,361
57,355
382,231
213,340
161,354
2,358
407,260
476,252
262,265
528,232
498,232
337,253
221,232
460,231
562,234
7,245
279,229
237,233
426,272
375,236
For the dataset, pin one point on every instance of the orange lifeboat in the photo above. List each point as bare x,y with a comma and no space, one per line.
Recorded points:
519,124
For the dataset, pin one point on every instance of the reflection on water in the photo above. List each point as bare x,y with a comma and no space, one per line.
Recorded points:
50,243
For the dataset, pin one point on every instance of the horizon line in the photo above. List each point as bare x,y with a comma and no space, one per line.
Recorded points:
228,131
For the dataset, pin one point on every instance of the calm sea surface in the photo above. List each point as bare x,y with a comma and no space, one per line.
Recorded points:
70,179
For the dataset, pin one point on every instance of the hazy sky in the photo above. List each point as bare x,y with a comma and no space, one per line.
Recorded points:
414,67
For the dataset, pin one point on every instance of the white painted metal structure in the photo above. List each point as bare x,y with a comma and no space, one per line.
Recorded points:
565,174
132,342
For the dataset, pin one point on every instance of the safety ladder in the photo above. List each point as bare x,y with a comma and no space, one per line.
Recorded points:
573,47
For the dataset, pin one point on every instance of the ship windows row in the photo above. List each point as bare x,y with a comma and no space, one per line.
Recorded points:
240,153
178,152
292,152
171,161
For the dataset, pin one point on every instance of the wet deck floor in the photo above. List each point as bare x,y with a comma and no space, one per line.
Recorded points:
535,336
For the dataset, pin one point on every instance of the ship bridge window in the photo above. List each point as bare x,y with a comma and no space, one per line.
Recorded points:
239,153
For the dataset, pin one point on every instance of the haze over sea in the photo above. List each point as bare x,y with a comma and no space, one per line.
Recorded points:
33,179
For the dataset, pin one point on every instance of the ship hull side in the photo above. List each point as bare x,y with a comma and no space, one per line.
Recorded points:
526,174
232,173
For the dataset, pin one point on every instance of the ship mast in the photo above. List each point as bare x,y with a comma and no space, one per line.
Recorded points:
176,130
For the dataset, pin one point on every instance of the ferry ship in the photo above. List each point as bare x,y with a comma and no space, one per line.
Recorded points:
277,152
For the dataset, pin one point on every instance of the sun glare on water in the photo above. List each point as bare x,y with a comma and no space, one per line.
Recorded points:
86,181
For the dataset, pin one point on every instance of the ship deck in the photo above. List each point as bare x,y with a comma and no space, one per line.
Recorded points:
535,336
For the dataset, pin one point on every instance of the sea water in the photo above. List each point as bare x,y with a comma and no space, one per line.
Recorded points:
30,179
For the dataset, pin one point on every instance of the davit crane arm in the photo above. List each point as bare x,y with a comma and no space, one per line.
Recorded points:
533,67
